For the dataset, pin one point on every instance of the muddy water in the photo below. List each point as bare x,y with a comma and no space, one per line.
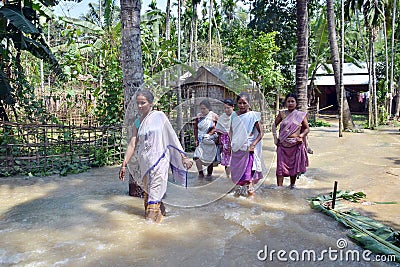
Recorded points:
89,220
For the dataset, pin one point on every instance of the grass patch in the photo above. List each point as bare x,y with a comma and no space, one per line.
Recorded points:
319,123
360,120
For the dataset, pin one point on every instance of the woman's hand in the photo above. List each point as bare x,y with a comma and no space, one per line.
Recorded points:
122,173
196,143
251,147
188,163
299,139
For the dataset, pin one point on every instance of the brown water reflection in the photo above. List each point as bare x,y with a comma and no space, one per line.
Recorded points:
89,220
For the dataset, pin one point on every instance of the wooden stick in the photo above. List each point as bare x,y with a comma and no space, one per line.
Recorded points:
334,195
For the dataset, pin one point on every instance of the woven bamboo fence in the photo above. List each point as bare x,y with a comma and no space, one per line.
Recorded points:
42,149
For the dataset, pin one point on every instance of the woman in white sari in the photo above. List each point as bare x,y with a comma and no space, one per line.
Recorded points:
246,135
205,139
156,142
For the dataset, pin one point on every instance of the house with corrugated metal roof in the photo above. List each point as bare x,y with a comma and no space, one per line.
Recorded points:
355,80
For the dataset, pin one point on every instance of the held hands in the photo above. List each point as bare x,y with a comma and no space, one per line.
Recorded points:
251,148
188,163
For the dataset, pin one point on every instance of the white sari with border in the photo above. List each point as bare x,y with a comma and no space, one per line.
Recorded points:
158,149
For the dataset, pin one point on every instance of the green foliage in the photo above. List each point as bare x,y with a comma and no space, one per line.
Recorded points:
73,168
253,54
360,120
21,31
279,17
383,115
189,141
319,123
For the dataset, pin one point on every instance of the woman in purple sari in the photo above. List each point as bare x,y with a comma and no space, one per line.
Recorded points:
292,158
222,128
246,135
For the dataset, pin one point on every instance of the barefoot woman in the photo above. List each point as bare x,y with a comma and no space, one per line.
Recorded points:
156,142
292,156
246,135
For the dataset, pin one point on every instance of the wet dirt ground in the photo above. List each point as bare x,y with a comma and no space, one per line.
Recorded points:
88,219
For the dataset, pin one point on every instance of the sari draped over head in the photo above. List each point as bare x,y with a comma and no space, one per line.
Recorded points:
245,166
223,127
223,123
158,149
291,155
206,151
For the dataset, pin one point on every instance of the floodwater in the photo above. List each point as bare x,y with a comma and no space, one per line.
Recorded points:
89,220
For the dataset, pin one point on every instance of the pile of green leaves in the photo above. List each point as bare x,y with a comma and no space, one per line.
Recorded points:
368,233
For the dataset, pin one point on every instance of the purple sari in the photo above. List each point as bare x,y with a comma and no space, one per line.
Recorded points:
246,167
292,156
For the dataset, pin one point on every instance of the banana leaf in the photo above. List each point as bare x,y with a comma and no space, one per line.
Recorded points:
367,232
5,89
14,15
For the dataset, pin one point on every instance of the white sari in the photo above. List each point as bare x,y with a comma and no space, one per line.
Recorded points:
244,133
158,148
207,149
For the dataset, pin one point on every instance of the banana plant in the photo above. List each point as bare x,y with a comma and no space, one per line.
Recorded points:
20,30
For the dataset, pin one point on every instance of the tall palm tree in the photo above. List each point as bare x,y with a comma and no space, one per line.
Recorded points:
347,122
391,82
210,31
302,54
131,60
168,21
193,32
131,51
373,18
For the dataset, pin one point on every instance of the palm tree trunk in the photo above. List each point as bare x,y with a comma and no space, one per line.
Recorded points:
392,63
210,32
375,99
386,65
371,88
342,91
347,120
191,37
168,21
179,89
132,67
195,42
131,51
179,31
302,54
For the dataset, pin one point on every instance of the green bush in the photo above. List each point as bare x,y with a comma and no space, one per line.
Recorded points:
319,123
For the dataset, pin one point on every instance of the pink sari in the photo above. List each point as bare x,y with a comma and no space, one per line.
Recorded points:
292,156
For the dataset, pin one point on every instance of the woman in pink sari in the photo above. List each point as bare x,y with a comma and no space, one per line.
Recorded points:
222,128
292,158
